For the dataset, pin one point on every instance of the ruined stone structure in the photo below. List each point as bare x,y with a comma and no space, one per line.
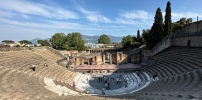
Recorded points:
99,59
103,50
192,27
95,57
189,35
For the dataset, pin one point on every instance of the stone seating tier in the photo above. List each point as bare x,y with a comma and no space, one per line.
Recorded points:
179,70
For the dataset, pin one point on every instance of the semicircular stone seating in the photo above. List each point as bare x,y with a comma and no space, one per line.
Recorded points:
179,71
134,84
18,81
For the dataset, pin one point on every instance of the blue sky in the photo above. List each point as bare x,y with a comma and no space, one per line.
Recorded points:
29,19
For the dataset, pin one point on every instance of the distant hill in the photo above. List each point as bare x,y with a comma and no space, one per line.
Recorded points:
88,39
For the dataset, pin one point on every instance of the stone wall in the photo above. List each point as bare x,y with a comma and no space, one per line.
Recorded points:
62,62
195,41
77,61
190,32
119,58
192,27
163,44
189,35
135,59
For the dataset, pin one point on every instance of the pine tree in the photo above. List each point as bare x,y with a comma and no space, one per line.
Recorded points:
168,21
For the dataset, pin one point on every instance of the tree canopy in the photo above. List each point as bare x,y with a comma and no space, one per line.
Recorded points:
25,42
168,21
178,25
8,41
57,40
127,41
146,35
133,42
138,36
43,42
71,41
104,39
156,34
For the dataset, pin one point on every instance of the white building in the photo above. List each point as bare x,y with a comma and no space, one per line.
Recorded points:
93,45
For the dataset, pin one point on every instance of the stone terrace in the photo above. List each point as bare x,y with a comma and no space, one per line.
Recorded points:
179,70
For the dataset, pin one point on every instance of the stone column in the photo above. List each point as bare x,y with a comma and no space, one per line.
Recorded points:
96,58
117,58
82,62
121,57
126,57
103,59
110,58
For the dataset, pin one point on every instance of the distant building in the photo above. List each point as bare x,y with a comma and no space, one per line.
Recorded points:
38,45
29,45
93,45
114,45
10,43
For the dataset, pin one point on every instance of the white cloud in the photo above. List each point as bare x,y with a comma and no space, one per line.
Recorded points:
25,16
126,21
47,25
97,18
91,15
136,14
176,16
26,7
6,14
51,25
135,17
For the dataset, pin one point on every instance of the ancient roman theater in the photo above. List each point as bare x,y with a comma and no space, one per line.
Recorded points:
171,70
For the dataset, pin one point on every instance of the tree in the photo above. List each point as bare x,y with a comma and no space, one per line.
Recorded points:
43,42
138,36
74,40
7,41
71,41
127,41
25,42
168,21
57,41
146,35
157,33
104,39
178,25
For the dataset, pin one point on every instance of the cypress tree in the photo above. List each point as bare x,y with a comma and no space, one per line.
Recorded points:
168,21
158,25
138,36
156,33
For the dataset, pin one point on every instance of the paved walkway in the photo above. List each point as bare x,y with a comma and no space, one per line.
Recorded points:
94,82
